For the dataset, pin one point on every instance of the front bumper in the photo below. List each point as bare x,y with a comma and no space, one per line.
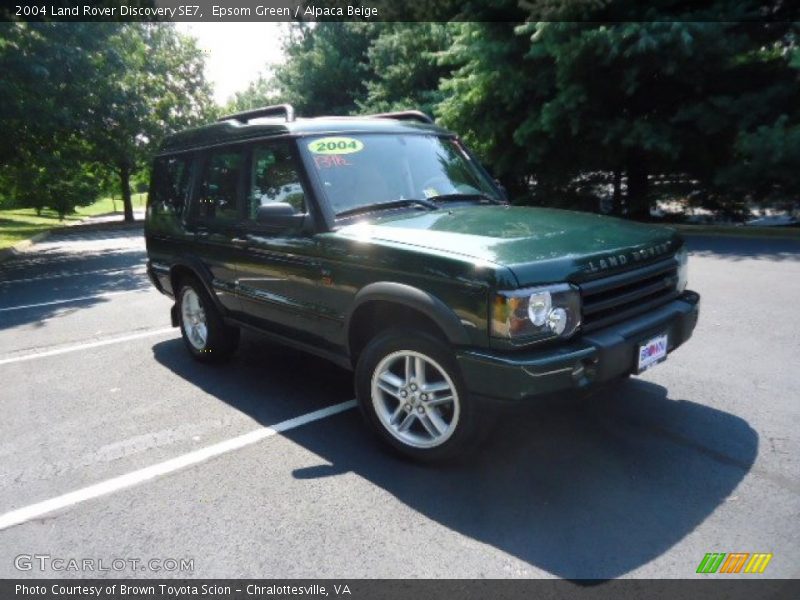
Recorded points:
592,358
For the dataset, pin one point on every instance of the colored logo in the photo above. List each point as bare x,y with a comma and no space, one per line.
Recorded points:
734,562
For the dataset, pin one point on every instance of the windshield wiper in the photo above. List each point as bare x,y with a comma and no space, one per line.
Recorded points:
461,196
391,204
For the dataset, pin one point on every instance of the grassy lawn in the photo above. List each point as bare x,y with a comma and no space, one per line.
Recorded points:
17,224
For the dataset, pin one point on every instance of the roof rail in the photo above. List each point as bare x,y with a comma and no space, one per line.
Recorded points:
404,115
264,111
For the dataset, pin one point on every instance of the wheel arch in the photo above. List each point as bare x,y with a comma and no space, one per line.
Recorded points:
409,305
190,268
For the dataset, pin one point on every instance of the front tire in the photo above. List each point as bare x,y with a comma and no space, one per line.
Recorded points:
411,393
204,332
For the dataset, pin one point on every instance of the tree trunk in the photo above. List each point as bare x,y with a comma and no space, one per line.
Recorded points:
638,203
125,185
616,198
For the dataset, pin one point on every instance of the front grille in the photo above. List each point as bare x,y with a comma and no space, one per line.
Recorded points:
618,297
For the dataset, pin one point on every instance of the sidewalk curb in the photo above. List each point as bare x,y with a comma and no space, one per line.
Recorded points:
738,232
84,225
14,250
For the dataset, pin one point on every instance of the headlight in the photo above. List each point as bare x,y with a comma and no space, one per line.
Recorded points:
682,256
538,313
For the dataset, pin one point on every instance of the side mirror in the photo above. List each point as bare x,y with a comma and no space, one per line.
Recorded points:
279,215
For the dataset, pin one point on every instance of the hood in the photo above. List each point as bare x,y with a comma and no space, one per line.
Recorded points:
539,245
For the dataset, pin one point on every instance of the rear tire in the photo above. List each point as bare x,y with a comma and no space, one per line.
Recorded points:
411,394
204,332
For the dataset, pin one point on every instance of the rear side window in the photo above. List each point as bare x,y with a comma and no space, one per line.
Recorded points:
170,184
218,198
275,178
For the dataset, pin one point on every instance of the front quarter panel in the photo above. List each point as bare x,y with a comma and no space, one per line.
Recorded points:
462,286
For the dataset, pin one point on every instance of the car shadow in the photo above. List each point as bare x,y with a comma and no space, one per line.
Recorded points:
586,490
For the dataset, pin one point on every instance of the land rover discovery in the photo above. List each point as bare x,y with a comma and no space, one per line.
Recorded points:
380,243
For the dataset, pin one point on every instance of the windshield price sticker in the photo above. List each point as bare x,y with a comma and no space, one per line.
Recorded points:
336,145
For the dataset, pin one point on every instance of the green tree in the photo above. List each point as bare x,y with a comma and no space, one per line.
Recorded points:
47,73
489,93
153,84
80,98
647,100
687,99
658,98
260,92
405,67
326,69
768,160
336,68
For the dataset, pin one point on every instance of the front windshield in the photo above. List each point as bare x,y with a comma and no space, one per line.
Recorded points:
368,169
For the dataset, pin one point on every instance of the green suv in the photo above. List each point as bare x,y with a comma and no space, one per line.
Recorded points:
380,243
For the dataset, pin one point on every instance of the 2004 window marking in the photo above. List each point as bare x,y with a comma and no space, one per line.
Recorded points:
336,145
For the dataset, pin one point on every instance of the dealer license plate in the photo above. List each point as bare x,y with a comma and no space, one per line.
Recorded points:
652,352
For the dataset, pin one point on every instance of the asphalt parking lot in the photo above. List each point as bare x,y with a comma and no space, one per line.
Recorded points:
106,425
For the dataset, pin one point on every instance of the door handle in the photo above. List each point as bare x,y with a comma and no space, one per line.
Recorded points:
239,241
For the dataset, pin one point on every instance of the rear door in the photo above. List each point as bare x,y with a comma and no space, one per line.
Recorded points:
215,220
165,235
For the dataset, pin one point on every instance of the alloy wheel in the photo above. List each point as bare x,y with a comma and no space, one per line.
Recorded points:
415,399
194,319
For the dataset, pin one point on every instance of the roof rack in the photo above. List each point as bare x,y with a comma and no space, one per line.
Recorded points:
404,115
264,111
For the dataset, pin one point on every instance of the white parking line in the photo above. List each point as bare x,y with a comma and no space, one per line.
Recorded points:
86,346
63,274
34,511
70,300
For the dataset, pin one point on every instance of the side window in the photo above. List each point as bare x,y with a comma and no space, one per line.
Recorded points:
218,198
275,177
170,184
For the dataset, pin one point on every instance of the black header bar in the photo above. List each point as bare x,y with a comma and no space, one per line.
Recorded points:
223,11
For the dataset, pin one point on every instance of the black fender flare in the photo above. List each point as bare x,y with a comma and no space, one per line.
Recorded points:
201,272
414,298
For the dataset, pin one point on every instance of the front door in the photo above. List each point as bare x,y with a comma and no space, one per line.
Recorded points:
280,274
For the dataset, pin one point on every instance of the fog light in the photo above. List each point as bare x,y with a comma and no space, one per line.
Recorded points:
557,320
